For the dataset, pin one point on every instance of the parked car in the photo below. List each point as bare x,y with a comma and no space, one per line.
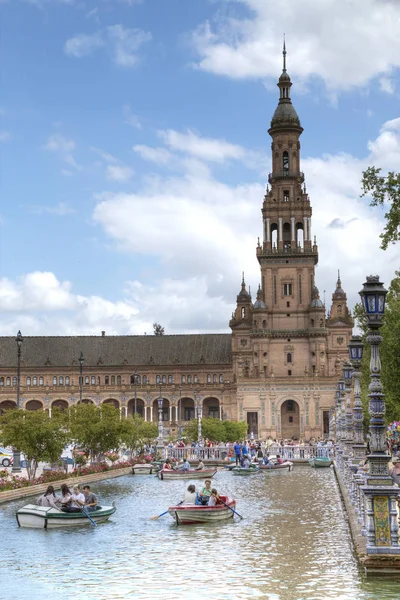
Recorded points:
6,457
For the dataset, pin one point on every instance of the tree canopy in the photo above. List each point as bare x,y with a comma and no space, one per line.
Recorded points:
158,329
38,436
384,191
136,432
216,430
96,428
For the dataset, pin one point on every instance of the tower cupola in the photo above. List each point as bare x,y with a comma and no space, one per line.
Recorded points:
285,116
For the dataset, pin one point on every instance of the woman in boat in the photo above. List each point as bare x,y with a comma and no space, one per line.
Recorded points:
65,499
200,466
191,496
205,492
246,462
167,464
48,499
214,498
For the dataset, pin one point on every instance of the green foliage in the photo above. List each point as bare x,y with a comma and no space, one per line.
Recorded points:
34,433
390,351
97,428
216,430
136,432
384,190
158,329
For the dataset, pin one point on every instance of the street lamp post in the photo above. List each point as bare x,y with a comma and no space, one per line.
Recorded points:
347,374
16,468
381,497
197,402
81,359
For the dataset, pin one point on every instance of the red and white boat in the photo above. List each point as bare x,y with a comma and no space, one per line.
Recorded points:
191,474
187,514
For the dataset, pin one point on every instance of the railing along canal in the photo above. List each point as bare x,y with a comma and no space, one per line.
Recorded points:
222,452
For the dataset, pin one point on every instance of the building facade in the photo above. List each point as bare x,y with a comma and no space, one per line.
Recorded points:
278,368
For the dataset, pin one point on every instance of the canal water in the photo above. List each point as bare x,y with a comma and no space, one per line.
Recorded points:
293,544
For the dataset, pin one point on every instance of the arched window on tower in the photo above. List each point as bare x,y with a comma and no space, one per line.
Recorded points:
285,163
274,235
299,235
289,357
339,309
243,313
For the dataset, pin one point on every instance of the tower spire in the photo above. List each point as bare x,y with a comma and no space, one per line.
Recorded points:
284,54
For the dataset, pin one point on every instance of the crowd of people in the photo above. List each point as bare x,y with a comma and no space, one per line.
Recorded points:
75,501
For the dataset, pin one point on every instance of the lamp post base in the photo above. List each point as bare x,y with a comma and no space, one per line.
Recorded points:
16,468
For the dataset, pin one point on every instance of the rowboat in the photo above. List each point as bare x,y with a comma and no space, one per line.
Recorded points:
186,514
143,469
245,471
42,517
271,467
320,461
191,474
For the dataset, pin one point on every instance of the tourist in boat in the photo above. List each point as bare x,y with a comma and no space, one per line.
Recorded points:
77,500
65,498
185,466
191,496
266,459
48,499
279,460
246,462
205,492
214,498
167,464
395,471
260,456
200,466
90,498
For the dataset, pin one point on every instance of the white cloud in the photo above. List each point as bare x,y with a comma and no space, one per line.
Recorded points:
208,149
387,85
336,41
5,136
119,173
160,156
83,45
122,43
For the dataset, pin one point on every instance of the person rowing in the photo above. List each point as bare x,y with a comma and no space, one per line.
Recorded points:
185,467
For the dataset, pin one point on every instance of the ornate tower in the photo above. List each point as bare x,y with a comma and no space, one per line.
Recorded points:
283,364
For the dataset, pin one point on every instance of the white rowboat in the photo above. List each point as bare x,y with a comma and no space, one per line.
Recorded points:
191,474
42,517
188,514
143,469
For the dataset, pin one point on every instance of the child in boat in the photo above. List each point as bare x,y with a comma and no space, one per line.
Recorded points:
167,464
279,460
214,498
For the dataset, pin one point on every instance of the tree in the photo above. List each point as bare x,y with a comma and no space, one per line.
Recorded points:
384,190
216,430
34,433
98,429
158,329
390,350
136,432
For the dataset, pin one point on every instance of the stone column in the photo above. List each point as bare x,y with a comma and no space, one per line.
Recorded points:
309,228
305,236
293,230
151,413
268,230
280,234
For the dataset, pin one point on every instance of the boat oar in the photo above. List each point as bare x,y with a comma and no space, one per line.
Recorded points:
234,511
162,514
90,518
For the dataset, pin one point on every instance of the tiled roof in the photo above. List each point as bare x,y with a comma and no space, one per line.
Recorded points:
192,349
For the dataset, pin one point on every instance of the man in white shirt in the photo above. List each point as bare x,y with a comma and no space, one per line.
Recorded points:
77,500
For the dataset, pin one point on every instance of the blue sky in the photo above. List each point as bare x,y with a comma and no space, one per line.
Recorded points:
134,152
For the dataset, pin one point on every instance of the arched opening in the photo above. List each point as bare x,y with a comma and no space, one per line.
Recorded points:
243,313
139,407
164,411
60,404
34,405
290,420
274,235
289,357
7,405
299,235
287,236
187,409
211,408
87,401
285,161
112,401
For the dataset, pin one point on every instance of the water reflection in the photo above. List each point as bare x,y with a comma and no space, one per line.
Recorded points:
293,544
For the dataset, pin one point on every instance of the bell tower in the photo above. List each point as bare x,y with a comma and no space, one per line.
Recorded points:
287,255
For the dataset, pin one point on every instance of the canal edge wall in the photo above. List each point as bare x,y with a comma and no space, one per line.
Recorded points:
38,490
371,563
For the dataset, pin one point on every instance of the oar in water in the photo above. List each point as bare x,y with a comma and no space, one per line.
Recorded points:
234,511
162,514
90,518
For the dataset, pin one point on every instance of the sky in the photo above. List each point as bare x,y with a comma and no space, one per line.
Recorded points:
134,153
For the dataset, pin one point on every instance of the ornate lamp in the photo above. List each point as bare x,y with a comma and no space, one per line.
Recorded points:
373,297
356,349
